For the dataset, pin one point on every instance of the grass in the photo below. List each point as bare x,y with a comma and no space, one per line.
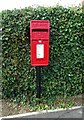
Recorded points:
11,108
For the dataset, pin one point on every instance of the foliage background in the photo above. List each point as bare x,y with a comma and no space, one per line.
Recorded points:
63,76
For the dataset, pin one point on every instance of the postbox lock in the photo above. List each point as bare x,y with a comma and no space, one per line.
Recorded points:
40,41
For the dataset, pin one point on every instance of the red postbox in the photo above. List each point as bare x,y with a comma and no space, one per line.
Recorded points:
39,42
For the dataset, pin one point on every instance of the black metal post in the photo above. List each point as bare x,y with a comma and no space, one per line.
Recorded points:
38,81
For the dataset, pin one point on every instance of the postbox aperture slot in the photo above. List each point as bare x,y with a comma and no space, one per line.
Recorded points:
39,30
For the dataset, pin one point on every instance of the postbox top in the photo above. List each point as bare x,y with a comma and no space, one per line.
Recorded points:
39,24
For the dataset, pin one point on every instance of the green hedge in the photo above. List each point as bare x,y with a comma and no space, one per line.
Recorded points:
64,74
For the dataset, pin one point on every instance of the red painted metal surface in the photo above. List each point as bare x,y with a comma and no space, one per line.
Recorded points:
39,42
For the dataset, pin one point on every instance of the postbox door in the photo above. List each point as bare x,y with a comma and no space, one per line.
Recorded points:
40,53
